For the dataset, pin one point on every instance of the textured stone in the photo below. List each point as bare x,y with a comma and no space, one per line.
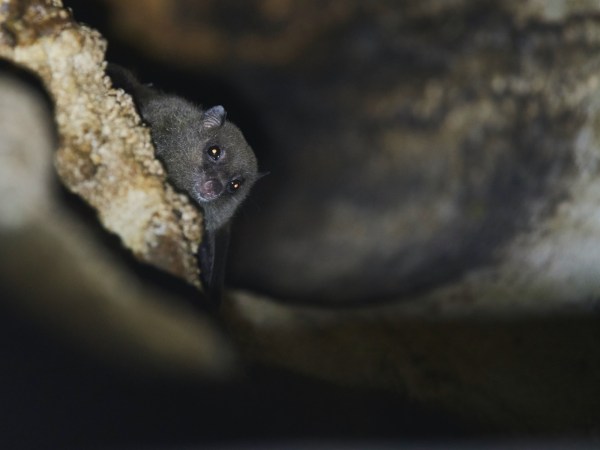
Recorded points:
55,271
54,268
105,155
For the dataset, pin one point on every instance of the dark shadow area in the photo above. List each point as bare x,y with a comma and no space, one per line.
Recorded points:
158,280
54,396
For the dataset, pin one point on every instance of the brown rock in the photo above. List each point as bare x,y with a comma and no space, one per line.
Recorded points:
105,155
54,269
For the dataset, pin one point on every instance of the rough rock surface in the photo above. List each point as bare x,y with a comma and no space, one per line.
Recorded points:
104,156
54,269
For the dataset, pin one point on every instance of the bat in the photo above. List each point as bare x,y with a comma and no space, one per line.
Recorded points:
205,156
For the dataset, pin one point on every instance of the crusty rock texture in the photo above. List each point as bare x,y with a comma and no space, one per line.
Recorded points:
53,267
104,155
55,270
536,373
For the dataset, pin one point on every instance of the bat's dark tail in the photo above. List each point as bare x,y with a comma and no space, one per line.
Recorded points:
212,258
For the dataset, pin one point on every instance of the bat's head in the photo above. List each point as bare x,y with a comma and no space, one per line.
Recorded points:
225,168
205,155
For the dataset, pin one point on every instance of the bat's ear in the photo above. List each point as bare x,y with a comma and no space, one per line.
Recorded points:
260,175
214,117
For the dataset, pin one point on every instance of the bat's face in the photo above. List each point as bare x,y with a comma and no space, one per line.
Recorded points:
224,168
205,156
228,168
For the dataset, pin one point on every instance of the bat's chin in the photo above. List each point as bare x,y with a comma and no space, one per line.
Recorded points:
205,198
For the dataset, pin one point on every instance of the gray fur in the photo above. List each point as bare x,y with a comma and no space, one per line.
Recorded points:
183,134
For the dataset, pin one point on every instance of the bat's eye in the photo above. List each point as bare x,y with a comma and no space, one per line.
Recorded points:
214,151
234,185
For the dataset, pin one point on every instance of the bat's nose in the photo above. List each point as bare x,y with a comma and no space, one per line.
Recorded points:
211,189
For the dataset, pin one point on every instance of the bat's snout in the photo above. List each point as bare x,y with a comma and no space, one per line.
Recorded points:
210,189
